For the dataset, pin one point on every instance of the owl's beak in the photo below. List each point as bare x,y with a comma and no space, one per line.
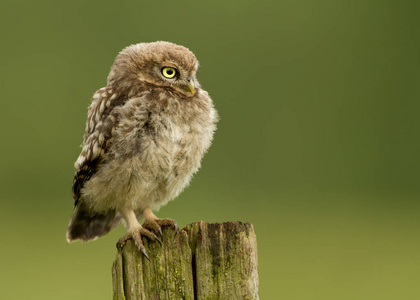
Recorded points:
191,85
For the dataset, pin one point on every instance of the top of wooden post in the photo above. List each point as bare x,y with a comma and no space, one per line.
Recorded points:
203,261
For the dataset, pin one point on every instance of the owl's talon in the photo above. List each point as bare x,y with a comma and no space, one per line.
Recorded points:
155,224
151,235
153,228
143,250
158,239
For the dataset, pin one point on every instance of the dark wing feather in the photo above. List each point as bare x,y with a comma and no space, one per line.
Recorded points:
82,175
102,118
86,226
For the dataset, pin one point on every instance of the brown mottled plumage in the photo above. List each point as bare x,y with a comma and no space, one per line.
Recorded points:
146,133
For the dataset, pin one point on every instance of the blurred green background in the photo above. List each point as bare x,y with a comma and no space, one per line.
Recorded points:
318,143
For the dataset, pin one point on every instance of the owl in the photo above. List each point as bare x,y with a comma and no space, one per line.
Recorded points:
146,133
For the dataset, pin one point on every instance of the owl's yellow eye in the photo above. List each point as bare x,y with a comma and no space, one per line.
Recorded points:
169,72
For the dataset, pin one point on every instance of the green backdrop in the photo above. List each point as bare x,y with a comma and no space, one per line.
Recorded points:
318,143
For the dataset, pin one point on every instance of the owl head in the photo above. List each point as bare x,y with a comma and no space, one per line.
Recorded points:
157,64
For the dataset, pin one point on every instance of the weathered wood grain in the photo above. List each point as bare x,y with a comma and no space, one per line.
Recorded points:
203,261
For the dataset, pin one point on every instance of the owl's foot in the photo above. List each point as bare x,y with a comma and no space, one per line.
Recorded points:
155,224
136,234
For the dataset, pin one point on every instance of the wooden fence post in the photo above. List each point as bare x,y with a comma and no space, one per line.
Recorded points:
203,261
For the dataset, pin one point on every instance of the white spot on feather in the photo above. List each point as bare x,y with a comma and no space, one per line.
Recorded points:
102,107
97,117
101,139
80,160
96,150
91,124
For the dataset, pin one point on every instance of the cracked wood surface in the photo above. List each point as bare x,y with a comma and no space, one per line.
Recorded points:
203,261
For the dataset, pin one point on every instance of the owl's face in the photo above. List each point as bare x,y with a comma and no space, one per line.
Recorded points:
160,64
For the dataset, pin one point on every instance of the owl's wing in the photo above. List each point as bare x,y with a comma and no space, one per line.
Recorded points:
101,120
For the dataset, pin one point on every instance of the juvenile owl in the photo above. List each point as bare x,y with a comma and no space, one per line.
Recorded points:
145,136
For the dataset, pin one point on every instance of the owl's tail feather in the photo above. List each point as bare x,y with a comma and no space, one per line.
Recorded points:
85,225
